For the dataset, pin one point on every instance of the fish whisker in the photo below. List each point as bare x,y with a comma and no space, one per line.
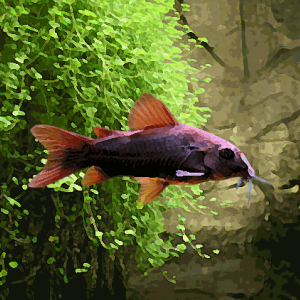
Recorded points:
250,189
262,180
251,184
239,183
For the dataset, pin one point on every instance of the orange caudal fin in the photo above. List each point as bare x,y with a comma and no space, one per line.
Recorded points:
68,153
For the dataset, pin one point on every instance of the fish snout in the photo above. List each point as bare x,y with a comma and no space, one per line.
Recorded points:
249,173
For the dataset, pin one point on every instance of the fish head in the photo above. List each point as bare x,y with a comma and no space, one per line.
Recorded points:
227,161
217,158
212,158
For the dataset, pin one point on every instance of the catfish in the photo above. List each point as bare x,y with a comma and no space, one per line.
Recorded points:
157,151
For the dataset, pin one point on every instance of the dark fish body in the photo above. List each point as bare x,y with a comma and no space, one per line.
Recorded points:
143,154
158,151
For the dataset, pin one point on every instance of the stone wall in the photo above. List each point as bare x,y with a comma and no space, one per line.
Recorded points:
255,99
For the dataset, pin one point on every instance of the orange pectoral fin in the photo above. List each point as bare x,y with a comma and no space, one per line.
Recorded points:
150,189
94,175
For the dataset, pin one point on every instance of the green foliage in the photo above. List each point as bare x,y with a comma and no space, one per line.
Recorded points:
76,65
188,240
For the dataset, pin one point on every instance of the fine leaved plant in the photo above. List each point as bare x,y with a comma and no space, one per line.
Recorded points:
76,65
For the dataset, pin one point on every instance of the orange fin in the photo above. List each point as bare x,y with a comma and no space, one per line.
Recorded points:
148,111
150,189
104,132
66,153
94,175
55,139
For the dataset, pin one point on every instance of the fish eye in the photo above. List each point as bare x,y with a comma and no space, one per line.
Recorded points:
226,153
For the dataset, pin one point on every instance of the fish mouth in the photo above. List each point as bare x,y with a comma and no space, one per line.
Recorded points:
250,178
248,175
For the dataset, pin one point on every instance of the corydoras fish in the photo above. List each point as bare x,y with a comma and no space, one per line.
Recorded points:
157,151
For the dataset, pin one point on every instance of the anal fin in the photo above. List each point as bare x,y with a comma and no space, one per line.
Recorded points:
94,175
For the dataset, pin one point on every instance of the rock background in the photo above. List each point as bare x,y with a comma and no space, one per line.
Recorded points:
254,97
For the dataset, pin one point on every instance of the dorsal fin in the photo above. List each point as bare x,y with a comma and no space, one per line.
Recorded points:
148,111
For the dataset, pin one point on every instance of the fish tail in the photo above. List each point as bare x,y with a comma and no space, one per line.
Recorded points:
68,153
